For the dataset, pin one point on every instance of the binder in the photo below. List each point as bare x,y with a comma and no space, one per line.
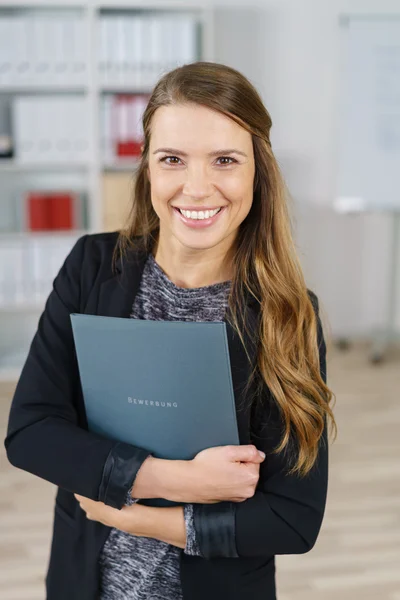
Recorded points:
58,50
80,50
7,59
165,386
137,50
104,58
188,39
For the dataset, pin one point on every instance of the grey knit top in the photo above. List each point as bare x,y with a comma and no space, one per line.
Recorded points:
140,568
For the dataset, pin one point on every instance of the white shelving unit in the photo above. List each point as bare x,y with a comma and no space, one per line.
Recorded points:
89,175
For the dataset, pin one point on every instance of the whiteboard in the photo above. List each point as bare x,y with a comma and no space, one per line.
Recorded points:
368,160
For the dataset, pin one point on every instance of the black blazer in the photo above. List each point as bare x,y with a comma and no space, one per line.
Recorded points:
47,436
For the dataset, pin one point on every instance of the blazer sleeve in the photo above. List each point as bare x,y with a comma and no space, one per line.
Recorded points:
285,514
46,434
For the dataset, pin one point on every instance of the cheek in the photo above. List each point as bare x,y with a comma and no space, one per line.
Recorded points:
164,186
238,189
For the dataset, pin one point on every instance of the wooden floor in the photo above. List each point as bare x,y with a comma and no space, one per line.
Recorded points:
357,555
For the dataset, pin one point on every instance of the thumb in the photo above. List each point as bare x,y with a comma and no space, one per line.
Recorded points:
248,453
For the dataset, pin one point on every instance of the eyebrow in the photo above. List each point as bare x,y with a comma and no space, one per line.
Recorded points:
221,152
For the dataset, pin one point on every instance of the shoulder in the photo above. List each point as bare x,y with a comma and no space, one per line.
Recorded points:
92,244
88,265
314,299
103,244
96,250
100,245
89,253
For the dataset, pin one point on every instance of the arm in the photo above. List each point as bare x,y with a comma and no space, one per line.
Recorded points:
173,525
176,526
45,435
165,524
285,514
162,478
144,521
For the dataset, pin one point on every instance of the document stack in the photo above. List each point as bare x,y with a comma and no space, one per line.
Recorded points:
136,49
50,129
28,266
121,126
37,49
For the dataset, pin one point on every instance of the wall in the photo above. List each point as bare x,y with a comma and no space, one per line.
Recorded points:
290,51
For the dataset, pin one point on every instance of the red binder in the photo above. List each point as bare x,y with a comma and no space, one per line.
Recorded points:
62,212
51,211
127,112
38,209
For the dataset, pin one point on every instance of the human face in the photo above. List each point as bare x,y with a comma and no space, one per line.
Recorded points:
199,160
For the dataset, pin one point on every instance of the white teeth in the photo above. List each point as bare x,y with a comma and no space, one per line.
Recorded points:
192,214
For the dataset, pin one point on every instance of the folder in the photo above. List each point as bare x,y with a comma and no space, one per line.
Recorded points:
165,386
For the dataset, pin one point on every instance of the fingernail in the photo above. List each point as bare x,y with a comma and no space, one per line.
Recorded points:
262,454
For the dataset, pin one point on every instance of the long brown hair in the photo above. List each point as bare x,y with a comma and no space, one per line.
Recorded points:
266,266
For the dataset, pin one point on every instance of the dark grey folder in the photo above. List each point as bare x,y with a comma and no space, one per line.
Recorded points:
165,386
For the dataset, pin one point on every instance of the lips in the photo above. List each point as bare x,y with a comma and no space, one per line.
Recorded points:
199,223
197,208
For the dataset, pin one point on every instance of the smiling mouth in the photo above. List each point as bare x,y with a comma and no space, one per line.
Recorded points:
199,219
199,215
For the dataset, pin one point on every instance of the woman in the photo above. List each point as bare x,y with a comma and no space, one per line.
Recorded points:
208,238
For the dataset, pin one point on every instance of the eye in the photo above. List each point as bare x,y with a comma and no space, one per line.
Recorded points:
174,160
227,158
165,158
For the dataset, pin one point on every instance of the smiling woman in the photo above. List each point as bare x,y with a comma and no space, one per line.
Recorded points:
208,239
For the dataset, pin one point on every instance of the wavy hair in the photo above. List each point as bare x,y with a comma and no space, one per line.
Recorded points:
266,265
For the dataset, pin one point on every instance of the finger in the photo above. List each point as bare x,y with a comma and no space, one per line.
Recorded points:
248,454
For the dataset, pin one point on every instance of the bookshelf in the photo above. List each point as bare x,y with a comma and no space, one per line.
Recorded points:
67,115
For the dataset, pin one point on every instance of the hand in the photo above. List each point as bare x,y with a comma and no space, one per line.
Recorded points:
164,524
112,517
225,473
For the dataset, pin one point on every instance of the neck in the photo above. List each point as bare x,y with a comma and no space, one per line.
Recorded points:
193,268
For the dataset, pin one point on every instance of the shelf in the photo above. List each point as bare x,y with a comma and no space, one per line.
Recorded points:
122,165
56,5
96,171
43,89
132,5
73,233
15,167
124,88
82,5
23,308
135,5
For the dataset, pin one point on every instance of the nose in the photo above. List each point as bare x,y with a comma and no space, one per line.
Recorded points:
197,183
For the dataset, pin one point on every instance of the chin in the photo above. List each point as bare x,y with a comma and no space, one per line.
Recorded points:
201,241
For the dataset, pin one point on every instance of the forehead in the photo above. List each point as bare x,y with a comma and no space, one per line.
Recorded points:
195,126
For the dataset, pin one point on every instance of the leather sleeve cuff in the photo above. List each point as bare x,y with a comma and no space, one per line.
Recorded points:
215,529
119,473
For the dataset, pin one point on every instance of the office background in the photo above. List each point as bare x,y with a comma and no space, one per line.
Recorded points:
56,183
